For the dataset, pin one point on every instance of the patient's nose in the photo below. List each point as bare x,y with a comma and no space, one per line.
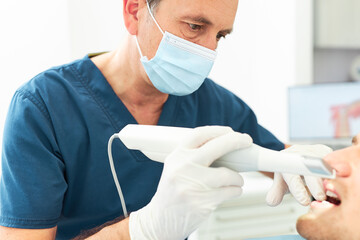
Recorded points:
341,166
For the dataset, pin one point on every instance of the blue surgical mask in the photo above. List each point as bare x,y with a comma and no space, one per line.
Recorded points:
179,67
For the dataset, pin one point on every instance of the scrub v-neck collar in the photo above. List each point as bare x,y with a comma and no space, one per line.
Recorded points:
115,109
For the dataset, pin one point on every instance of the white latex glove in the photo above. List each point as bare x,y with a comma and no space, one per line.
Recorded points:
189,190
285,183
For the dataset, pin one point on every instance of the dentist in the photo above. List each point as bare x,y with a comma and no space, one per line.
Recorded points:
56,182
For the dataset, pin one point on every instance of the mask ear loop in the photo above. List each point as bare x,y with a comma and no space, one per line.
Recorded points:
138,46
152,16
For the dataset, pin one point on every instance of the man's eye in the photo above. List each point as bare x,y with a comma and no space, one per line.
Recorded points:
194,27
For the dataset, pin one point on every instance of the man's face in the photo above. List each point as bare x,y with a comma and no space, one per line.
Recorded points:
203,22
340,219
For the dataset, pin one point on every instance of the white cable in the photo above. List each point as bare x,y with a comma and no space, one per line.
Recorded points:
115,176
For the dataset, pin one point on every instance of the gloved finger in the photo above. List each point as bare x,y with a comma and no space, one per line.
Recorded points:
222,145
320,151
297,188
316,187
277,191
214,177
317,150
201,135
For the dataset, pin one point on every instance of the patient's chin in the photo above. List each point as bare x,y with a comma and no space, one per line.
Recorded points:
306,225
310,227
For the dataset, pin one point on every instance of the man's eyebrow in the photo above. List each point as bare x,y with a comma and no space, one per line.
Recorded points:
200,19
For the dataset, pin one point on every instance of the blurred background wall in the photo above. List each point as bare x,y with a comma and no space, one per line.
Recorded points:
258,61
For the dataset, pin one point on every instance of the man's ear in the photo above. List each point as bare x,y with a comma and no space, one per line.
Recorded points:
130,12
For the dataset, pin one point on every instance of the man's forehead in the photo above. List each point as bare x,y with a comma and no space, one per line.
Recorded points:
213,11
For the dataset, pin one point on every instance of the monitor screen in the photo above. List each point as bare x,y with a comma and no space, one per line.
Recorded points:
324,111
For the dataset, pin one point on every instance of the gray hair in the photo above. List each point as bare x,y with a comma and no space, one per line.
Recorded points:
153,4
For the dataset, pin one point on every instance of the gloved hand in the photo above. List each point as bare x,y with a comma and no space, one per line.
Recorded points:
284,182
189,190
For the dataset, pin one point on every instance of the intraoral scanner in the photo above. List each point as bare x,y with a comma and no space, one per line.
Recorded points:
157,142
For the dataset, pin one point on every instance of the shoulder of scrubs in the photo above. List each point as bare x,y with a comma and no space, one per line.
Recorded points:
32,182
219,105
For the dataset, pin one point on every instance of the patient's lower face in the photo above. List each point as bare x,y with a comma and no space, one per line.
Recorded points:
340,217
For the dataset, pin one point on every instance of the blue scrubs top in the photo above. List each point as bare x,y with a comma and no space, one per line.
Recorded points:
55,168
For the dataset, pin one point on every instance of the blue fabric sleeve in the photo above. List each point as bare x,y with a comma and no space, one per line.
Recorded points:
32,184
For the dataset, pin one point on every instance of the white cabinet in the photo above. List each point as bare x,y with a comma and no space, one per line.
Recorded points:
250,217
337,23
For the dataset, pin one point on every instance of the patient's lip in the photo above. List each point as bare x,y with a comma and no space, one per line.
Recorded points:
321,205
328,185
